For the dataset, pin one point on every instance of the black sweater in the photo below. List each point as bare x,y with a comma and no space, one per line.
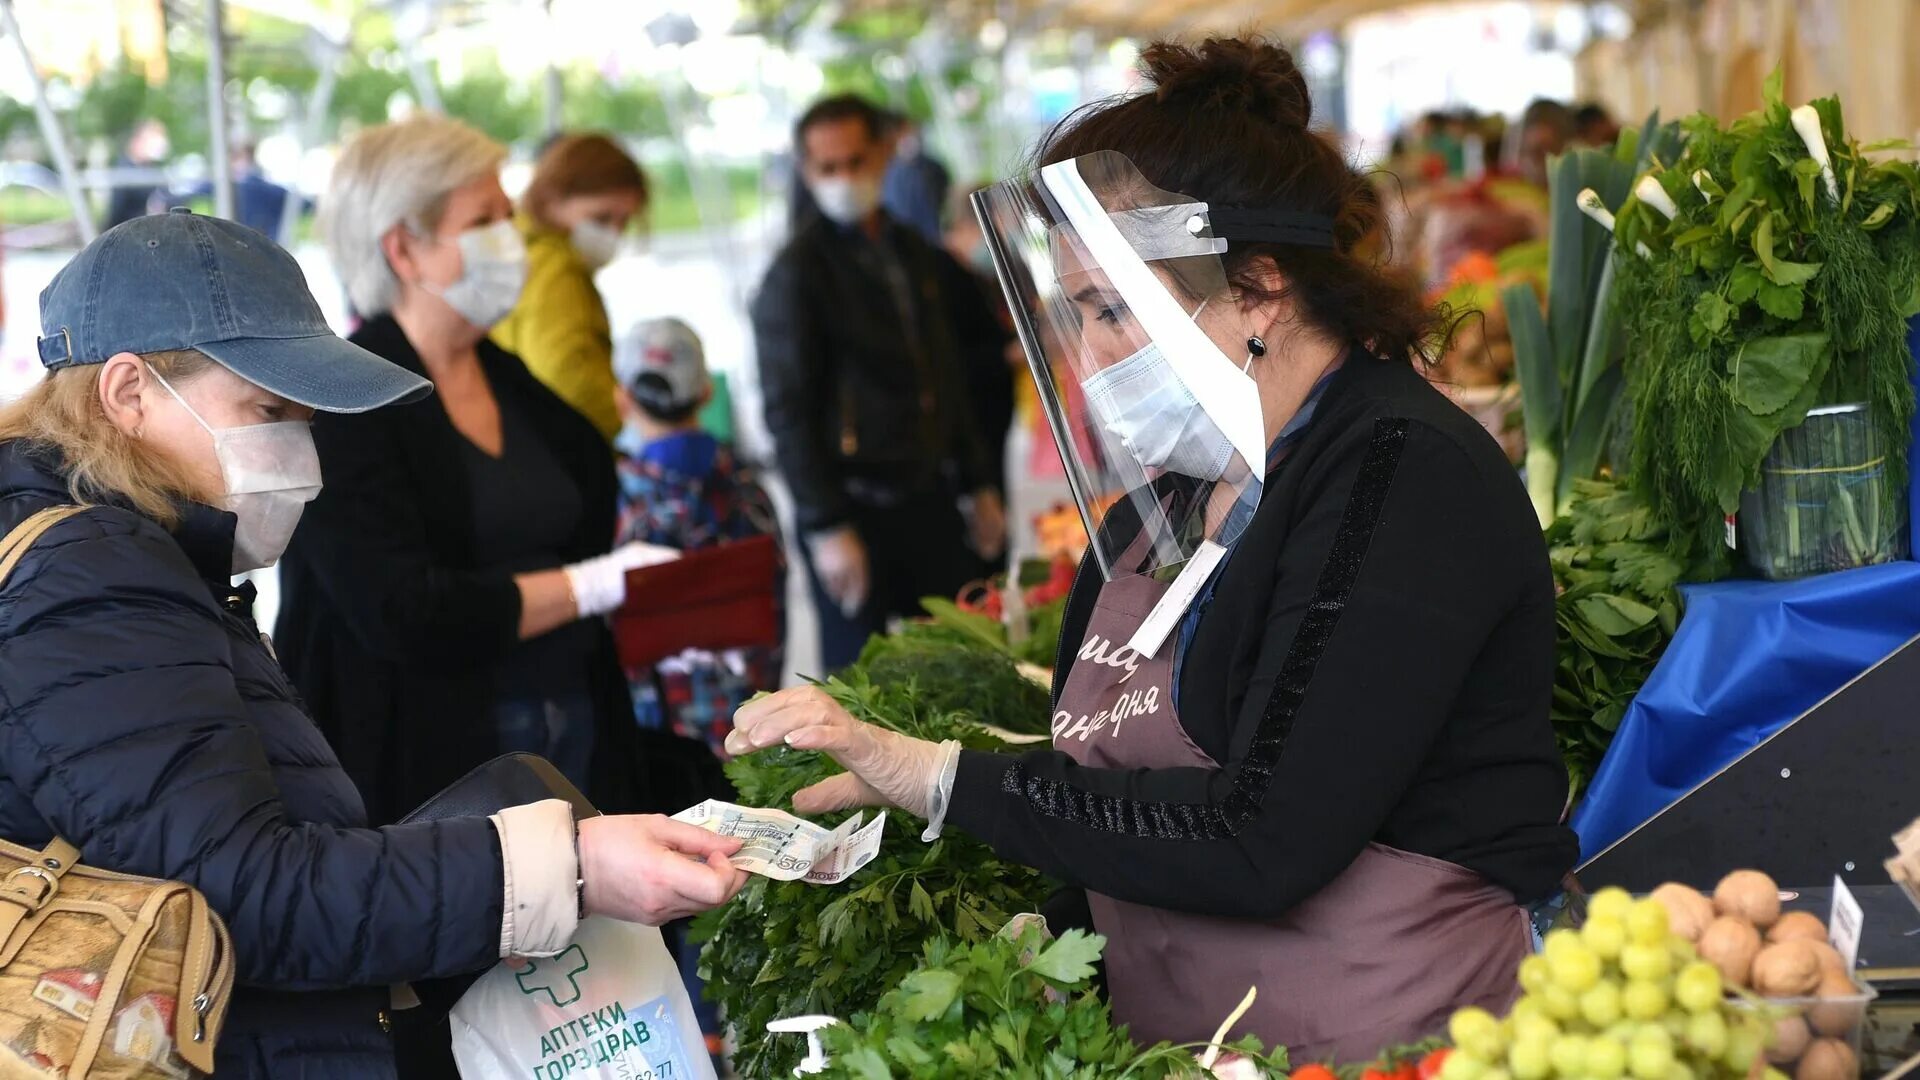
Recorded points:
390,626
1376,665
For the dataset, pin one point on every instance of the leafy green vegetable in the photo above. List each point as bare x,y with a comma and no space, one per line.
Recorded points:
1616,611
1564,355
1755,307
954,670
1770,372
1008,1008
788,948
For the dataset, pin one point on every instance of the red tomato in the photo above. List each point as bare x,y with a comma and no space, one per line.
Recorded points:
1430,1065
1314,1072
1407,1071
1375,1071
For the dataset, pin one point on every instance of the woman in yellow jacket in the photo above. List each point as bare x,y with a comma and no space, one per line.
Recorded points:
585,192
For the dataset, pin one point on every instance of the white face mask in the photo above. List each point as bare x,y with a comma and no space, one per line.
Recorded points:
493,262
596,244
272,472
1144,404
846,200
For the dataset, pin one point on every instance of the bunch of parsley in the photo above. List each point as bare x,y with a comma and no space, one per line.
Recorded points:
786,948
1008,1008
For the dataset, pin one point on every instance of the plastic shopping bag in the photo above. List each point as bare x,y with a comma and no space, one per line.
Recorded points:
611,1007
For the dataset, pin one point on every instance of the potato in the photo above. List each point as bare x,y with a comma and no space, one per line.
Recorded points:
1749,894
1730,944
1830,958
1688,910
1789,969
1828,1059
1790,1039
1841,1017
1797,924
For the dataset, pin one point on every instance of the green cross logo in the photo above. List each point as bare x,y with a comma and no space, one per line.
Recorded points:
555,976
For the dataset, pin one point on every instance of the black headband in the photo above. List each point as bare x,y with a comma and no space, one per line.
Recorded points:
1248,225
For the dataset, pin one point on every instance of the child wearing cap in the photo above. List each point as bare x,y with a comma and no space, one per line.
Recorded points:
682,488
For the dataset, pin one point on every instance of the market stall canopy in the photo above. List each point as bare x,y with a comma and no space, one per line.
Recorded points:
1154,18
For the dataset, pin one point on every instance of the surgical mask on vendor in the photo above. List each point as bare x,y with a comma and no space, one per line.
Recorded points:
1142,402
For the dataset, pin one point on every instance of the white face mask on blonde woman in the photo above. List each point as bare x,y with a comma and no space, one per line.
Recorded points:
269,472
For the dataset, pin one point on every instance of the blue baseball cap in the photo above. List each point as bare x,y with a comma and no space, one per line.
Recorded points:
181,280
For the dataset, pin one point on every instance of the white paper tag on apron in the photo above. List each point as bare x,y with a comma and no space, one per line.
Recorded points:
1176,600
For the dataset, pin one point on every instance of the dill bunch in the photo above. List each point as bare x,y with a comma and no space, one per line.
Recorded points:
1766,294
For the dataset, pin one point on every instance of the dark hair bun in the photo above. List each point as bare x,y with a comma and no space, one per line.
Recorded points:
1247,74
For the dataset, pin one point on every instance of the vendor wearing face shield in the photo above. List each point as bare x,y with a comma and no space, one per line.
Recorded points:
1301,736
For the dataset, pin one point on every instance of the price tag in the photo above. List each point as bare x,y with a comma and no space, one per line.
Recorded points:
1844,923
1175,601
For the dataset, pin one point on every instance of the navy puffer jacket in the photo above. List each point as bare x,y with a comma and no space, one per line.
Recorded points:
143,718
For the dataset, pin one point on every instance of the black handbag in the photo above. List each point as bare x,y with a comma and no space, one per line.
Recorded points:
422,1038
508,780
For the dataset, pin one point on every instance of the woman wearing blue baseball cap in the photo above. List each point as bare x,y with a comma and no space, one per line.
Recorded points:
144,719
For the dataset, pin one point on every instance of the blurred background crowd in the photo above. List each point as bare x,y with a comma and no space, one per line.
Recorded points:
1458,103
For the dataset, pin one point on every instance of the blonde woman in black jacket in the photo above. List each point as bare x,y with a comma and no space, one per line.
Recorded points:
142,716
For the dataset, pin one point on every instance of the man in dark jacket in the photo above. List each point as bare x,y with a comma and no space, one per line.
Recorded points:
867,338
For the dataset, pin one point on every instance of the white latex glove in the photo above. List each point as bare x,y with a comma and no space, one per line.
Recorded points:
600,583
884,768
987,520
840,558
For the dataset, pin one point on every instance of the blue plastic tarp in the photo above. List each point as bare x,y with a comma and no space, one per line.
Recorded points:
1750,656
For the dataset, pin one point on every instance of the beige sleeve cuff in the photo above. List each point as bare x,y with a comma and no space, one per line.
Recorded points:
541,910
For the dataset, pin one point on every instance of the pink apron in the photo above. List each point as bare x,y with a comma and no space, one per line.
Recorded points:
1379,957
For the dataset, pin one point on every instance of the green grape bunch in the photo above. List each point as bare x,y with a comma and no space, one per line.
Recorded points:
1623,996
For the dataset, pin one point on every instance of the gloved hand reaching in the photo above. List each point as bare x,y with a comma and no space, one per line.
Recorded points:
600,584
884,768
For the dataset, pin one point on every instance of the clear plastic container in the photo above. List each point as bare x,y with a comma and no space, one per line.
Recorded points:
1827,500
1813,1025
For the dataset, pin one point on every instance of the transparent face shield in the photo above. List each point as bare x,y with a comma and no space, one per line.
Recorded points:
1111,280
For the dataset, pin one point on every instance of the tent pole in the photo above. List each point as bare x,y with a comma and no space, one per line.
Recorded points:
312,126
556,89
50,130
220,154
412,32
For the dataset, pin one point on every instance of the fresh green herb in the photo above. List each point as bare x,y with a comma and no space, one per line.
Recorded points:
1011,1009
1766,294
956,666
784,949
1617,609
946,621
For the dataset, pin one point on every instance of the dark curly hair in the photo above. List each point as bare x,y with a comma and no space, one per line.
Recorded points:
1227,121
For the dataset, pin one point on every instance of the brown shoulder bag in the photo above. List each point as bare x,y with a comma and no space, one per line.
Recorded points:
103,975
